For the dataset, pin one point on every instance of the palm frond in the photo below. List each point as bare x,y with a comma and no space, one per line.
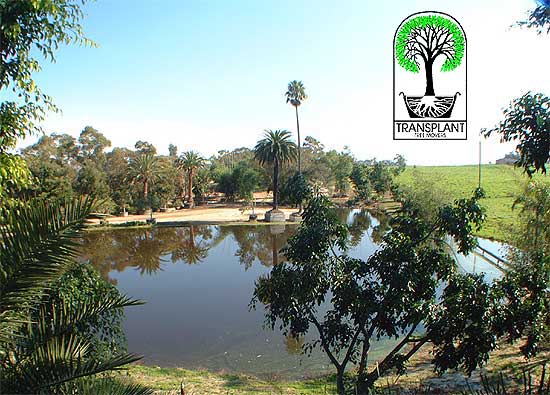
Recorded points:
61,360
63,319
111,386
37,245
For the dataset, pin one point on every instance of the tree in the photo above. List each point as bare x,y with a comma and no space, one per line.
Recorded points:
380,177
296,190
392,293
54,178
190,162
275,149
44,347
92,145
145,148
28,28
295,95
341,165
241,182
145,169
539,18
426,38
534,206
172,151
116,170
527,121
360,180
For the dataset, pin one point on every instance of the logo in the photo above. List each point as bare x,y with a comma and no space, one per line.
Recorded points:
429,78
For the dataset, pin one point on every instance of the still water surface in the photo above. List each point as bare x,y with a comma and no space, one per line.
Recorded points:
198,282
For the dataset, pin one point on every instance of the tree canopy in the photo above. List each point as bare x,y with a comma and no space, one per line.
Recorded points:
527,121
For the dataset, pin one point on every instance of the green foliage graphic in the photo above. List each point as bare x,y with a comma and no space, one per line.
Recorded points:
429,36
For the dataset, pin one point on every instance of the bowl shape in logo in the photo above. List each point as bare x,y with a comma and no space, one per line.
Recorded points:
429,106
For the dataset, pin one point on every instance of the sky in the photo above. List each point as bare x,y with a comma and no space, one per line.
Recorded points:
211,75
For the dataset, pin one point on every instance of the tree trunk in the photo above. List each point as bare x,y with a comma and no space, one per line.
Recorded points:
429,79
275,185
182,186
145,189
192,237
299,143
275,250
340,382
190,190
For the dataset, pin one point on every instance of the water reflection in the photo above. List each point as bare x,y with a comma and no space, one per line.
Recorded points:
198,282
148,250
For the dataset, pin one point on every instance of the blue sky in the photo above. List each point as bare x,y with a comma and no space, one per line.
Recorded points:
211,75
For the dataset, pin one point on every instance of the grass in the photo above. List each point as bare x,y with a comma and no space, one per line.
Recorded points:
166,381
501,183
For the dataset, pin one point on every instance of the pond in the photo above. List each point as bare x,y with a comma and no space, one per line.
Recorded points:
198,282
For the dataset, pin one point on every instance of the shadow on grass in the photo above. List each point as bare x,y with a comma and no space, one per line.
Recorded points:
234,381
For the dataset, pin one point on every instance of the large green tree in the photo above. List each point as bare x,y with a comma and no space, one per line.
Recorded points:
29,30
350,302
275,149
295,95
241,182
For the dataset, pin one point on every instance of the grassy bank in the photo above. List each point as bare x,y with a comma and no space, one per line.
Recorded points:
166,381
501,183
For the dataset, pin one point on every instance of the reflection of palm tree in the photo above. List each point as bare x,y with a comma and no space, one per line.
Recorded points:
140,248
275,250
256,243
148,254
294,344
190,251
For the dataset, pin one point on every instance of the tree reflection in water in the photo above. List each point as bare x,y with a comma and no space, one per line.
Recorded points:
260,242
147,250
144,249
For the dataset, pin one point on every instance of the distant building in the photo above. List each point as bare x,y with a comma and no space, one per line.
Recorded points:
509,159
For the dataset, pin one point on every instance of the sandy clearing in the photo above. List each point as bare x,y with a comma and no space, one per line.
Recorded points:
199,214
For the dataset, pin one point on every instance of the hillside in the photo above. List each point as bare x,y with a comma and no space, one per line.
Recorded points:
501,183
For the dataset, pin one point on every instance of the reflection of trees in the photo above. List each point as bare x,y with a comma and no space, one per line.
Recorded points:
144,249
257,242
381,229
294,344
148,249
360,223
189,249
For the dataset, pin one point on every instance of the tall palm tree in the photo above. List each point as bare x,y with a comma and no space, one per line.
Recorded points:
47,353
275,149
144,168
190,162
295,95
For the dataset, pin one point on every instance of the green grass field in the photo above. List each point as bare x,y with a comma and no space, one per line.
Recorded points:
501,184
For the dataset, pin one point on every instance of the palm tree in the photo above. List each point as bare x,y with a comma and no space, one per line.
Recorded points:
190,161
275,149
295,95
144,168
47,353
